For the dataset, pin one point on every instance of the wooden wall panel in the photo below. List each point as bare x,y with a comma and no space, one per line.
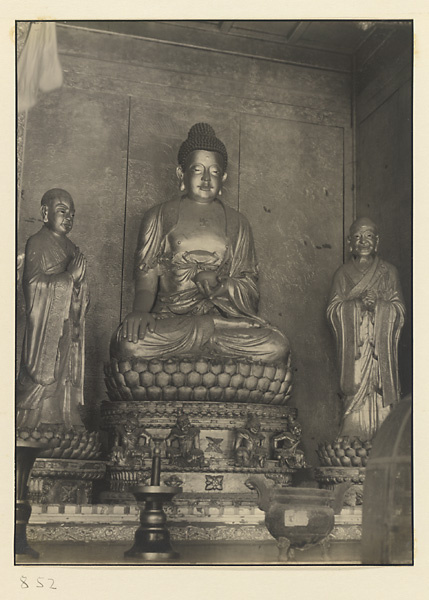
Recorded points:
196,69
291,190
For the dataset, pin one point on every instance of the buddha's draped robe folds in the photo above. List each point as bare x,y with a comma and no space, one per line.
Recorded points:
186,322
50,382
367,343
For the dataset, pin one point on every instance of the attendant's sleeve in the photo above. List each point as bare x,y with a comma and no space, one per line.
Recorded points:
336,296
395,289
389,320
48,298
391,295
344,316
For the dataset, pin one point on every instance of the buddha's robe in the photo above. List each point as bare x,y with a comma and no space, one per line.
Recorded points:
367,343
186,322
50,382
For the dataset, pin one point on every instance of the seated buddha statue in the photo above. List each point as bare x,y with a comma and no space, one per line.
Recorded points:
196,275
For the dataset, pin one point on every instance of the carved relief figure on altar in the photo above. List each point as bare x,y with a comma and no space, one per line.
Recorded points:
183,443
366,312
249,449
49,388
196,273
285,446
132,444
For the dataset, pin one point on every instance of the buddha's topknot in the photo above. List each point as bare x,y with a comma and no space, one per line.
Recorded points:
201,136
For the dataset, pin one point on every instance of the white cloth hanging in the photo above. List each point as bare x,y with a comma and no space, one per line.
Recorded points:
38,66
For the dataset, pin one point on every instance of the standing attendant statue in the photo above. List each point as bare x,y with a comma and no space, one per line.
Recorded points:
196,274
366,312
49,388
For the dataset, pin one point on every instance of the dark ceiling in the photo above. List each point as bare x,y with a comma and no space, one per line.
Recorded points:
336,36
323,43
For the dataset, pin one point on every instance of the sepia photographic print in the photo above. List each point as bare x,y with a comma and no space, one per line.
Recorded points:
214,298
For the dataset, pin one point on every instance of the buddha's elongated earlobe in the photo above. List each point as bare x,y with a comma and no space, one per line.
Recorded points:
224,176
180,177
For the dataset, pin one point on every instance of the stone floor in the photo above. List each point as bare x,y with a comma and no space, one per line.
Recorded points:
191,553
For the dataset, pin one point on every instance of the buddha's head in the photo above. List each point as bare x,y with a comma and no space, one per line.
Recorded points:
202,164
58,211
363,238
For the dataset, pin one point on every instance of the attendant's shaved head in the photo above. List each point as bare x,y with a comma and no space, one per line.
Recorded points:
363,222
56,194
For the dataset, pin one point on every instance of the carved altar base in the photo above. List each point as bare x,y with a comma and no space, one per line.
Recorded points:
214,492
213,518
64,481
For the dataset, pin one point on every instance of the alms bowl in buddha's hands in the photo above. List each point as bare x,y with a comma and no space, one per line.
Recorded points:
209,276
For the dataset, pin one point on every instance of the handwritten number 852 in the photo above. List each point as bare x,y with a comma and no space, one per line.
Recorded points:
42,582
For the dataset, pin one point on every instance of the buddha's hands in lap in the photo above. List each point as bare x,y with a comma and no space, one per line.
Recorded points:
208,284
209,287
136,324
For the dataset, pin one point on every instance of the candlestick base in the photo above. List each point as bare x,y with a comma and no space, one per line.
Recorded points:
152,538
26,453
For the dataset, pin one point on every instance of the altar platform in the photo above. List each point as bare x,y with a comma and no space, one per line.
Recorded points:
101,533
193,553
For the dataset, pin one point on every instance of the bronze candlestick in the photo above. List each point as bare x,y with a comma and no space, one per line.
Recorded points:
26,454
152,538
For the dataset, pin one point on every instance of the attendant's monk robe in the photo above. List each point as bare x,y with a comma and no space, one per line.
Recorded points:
366,312
49,388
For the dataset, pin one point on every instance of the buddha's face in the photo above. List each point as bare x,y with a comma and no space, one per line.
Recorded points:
363,241
58,215
203,175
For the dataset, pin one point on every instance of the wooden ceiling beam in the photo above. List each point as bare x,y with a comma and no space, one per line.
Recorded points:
181,34
225,26
298,31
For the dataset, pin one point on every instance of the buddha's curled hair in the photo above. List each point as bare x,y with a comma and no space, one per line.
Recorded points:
202,136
